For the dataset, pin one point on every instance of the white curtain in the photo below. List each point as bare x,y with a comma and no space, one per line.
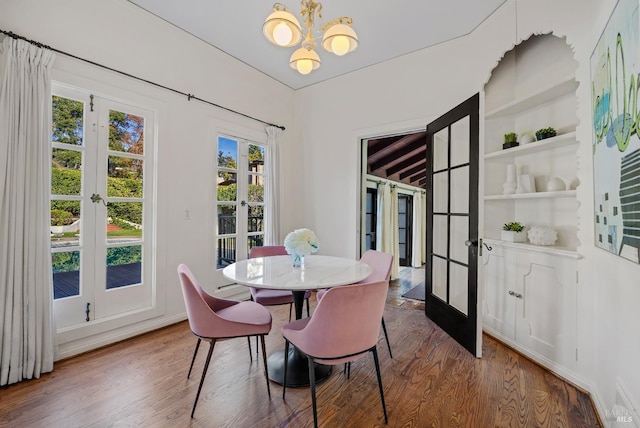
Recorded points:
418,231
387,224
26,327
393,231
272,192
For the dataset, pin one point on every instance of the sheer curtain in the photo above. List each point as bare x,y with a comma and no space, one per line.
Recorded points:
272,192
26,341
387,225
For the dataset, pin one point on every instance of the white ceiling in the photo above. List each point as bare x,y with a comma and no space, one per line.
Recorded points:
386,30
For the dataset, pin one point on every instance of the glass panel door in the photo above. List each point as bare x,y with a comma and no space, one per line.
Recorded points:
240,199
99,204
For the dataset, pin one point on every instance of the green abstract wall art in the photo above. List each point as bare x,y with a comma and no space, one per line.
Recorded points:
615,116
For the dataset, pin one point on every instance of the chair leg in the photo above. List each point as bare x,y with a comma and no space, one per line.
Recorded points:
264,362
375,359
312,381
256,346
386,336
204,373
286,360
194,357
290,306
249,342
308,313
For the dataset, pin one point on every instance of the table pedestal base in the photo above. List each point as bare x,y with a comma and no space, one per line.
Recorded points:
297,368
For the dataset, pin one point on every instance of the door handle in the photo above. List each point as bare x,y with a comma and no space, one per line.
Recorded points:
469,243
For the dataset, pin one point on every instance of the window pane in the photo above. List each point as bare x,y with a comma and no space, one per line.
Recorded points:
65,223
66,274
226,219
227,153
460,142
126,132
124,221
256,192
66,172
124,266
124,177
255,219
256,159
67,121
227,187
226,253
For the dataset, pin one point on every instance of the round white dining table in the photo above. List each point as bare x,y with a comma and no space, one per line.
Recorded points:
278,272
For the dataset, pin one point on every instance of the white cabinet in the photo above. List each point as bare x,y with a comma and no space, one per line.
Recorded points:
529,301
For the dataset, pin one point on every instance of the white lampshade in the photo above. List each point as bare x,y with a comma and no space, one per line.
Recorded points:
304,60
282,28
340,39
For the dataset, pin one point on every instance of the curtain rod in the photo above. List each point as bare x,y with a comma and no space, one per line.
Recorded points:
189,96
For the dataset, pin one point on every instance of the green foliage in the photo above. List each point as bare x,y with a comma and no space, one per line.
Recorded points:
227,193
67,121
66,181
68,261
61,217
69,159
255,153
124,255
545,133
511,137
513,226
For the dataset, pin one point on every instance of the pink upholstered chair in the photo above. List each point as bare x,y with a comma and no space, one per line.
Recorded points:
380,264
344,327
268,297
214,319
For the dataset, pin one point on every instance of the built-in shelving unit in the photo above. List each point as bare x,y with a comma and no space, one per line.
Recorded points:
528,92
529,291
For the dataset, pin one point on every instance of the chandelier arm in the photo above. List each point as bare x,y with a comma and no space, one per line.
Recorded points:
342,20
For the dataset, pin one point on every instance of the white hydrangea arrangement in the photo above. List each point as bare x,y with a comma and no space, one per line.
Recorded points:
301,242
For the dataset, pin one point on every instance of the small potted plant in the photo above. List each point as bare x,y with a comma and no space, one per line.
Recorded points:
543,133
513,232
510,140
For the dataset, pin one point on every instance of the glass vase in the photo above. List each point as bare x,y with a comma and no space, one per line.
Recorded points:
298,260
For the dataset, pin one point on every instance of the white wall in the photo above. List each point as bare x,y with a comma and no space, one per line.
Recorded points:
410,91
120,35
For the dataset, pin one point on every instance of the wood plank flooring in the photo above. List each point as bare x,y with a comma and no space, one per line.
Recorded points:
430,382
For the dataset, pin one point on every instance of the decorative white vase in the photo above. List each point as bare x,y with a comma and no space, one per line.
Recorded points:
542,235
511,236
509,186
555,184
526,184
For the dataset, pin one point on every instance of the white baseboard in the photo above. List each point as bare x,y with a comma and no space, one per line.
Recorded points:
80,346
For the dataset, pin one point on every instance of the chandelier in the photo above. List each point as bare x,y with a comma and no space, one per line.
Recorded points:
283,29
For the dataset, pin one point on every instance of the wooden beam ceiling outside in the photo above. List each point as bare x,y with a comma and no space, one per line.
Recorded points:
401,158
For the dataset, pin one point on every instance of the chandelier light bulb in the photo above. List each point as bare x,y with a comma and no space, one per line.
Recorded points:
282,34
304,66
340,45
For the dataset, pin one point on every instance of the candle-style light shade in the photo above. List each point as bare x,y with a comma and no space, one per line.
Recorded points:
340,39
282,29
304,60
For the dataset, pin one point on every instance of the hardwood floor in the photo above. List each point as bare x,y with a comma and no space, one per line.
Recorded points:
430,382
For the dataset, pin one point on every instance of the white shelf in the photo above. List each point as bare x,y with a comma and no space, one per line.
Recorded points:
551,92
559,141
536,195
547,249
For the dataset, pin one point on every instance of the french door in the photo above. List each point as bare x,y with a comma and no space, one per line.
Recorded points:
101,207
240,190
452,223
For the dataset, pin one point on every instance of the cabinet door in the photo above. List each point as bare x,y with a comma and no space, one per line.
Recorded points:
499,278
546,305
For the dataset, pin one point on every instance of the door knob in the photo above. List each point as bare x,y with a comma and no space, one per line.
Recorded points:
469,243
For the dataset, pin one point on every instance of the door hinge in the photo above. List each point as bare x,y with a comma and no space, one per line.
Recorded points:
88,311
